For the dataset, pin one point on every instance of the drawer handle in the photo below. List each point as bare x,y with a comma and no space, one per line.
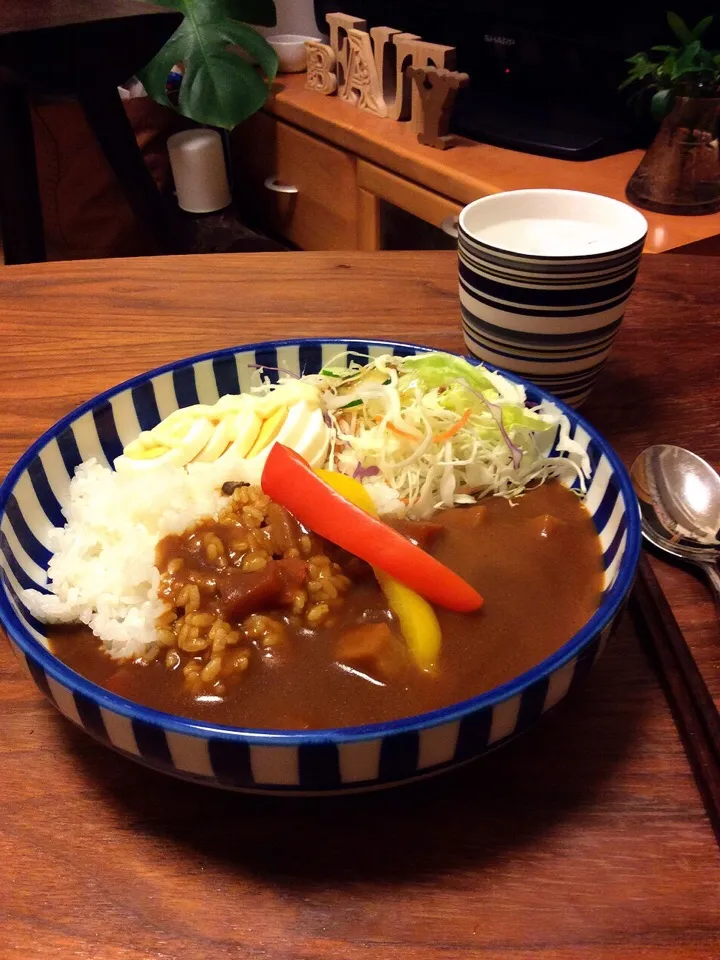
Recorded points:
272,183
450,226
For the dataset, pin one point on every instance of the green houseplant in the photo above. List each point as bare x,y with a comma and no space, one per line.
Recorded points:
680,172
228,66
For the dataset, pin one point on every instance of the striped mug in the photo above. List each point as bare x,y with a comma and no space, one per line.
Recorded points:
544,278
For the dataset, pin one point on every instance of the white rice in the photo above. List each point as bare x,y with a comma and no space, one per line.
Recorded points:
103,569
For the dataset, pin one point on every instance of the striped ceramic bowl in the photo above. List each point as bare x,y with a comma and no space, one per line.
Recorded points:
299,762
544,278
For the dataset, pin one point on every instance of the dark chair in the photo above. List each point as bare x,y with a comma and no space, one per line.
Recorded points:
87,61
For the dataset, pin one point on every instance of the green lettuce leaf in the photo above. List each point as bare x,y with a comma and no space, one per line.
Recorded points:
440,369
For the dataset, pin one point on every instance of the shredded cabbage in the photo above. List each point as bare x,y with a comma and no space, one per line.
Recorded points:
433,430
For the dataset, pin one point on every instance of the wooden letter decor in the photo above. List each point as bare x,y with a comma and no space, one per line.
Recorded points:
339,24
395,86
375,72
362,85
437,89
421,54
321,60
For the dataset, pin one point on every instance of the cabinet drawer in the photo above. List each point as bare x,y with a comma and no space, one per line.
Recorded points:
411,197
322,212
397,214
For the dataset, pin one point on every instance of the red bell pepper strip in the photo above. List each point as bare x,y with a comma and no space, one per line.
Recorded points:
290,481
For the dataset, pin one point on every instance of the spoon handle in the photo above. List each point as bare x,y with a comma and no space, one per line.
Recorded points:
711,572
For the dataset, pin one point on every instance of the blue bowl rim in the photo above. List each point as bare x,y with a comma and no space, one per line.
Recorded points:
336,735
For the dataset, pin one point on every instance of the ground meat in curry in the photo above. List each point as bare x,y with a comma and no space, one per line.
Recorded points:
238,587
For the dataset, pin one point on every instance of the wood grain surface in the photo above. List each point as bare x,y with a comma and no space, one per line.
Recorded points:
471,170
584,840
19,15
693,708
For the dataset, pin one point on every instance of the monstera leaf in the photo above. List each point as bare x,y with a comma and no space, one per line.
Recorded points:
221,85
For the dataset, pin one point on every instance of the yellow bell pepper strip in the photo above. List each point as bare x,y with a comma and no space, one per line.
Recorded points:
418,623
291,482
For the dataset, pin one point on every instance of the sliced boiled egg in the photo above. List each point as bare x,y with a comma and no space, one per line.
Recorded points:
304,431
246,428
218,443
269,430
236,432
192,442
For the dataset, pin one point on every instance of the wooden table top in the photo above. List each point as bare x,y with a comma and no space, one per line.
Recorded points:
584,840
19,15
471,170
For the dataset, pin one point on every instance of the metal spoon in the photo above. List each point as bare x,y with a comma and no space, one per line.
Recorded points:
679,495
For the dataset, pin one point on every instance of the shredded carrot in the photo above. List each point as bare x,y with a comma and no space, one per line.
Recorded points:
398,431
402,433
451,431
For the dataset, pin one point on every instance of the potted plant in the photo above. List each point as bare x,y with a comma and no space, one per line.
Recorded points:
680,172
228,66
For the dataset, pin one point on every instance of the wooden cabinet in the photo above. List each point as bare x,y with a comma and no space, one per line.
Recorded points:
365,182
295,185
319,197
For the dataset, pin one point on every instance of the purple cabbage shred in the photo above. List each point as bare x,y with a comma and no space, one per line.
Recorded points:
361,472
496,413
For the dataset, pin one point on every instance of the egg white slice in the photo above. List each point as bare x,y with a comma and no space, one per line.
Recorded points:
304,431
218,443
183,452
245,429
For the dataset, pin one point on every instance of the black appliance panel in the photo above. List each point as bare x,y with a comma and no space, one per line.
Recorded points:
543,75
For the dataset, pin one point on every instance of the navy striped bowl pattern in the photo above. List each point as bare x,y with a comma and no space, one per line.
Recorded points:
547,318
294,762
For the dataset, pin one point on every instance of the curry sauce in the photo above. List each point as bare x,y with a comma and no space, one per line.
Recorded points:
537,563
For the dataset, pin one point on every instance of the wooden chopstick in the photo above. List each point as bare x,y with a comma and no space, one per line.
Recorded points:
693,708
